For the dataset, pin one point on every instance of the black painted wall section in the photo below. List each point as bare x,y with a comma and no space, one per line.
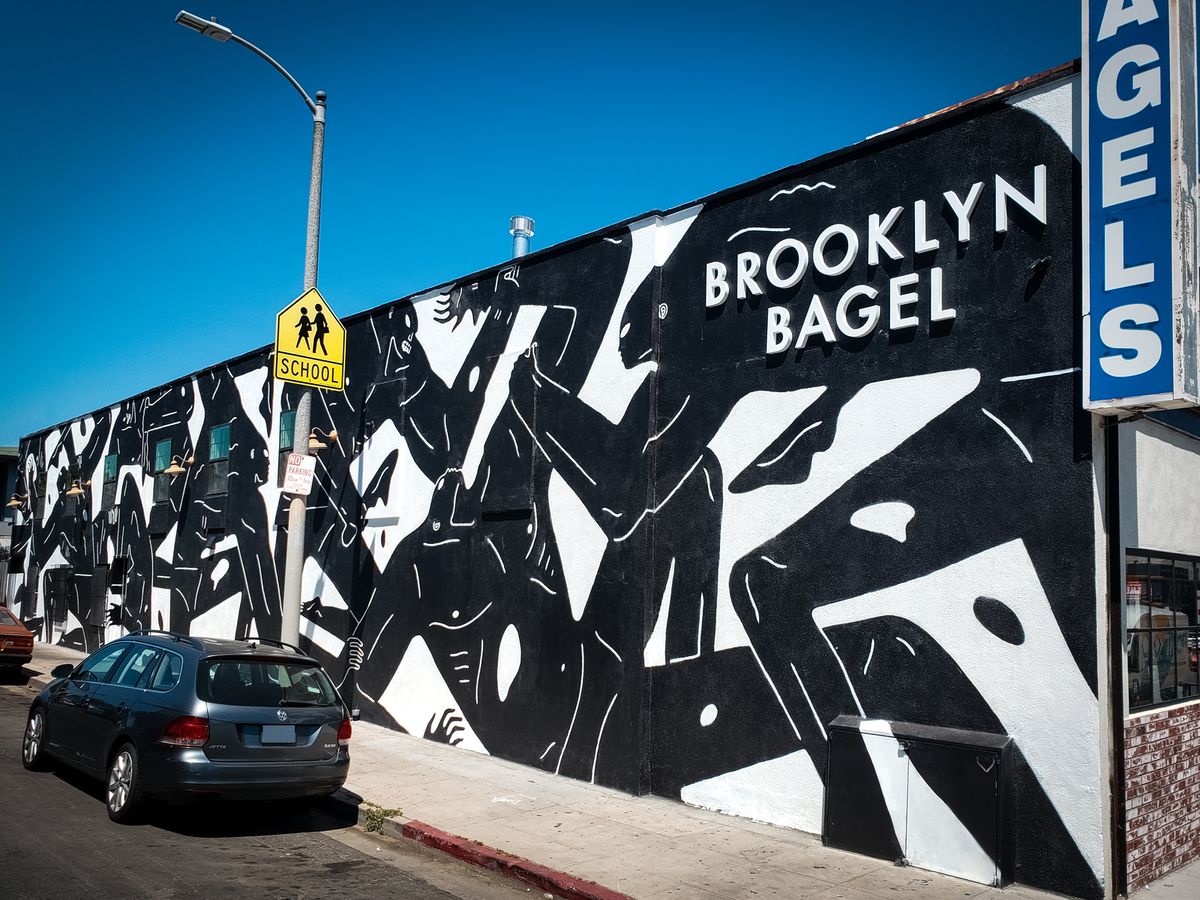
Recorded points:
578,516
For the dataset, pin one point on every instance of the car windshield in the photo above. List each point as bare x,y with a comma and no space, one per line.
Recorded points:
260,682
7,618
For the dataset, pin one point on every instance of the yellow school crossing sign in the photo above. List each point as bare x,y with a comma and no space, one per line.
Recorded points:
310,343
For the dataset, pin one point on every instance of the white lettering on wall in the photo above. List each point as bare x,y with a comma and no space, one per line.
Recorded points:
716,287
777,251
938,312
822,265
922,243
877,238
899,299
779,335
1035,207
816,321
748,265
962,209
860,308
870,314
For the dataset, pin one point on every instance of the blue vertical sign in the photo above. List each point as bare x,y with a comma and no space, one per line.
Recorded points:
1130,306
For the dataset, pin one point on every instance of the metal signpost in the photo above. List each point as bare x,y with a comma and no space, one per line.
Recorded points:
294,564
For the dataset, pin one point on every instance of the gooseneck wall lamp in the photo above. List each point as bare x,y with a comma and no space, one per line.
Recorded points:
76,489
177,465
314,438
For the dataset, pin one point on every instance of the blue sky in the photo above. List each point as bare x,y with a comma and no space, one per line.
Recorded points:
156,183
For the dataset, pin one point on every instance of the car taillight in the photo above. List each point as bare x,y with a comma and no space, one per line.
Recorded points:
344,733
186,731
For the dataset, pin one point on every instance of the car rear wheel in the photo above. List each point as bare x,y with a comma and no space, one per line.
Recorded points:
33,745
124,792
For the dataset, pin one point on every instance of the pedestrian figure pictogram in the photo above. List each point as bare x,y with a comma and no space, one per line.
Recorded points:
322,327
305,325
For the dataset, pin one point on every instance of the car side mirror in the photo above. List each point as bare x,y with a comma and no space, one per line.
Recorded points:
63,671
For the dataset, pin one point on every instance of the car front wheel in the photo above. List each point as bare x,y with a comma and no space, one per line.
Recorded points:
33,745
124,792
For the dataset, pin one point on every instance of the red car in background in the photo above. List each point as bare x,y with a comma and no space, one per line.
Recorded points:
16,641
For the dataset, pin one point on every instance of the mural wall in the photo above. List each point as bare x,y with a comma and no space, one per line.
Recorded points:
652,509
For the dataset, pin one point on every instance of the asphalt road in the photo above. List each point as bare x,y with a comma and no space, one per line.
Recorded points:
59,843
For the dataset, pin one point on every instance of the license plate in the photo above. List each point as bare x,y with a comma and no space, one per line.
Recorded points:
279,734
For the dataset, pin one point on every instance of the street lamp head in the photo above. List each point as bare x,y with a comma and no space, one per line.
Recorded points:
207,27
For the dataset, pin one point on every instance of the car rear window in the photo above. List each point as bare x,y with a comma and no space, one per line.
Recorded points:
7,618
260,682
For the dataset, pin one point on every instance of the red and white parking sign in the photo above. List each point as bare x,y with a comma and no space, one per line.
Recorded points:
298,478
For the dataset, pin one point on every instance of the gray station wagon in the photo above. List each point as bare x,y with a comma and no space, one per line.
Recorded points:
173,716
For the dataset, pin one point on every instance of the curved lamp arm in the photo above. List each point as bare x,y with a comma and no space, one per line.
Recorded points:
222,33
308,101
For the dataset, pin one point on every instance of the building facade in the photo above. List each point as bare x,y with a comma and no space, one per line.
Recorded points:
655,507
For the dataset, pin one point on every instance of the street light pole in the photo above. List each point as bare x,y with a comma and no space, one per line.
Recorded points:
293,568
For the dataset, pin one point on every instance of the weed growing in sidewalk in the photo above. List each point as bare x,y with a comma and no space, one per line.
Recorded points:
373,815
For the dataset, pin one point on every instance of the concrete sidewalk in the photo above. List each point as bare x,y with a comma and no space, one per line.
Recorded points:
643,847
1182,883
559,834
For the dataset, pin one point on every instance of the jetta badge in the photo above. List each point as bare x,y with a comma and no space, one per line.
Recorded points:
282,713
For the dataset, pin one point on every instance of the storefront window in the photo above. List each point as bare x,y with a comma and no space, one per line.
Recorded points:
1161,628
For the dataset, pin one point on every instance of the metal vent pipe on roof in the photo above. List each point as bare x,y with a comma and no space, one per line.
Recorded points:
521,229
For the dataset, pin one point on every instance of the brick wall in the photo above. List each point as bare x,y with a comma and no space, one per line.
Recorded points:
1162,792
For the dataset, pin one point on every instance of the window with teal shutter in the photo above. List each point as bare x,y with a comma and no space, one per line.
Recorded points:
287,441
109,499
287,429
218,459
162,455
162,483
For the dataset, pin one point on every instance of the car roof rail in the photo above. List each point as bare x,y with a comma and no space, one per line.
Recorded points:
174,635
273,642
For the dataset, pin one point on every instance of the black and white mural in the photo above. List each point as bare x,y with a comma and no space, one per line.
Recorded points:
653,508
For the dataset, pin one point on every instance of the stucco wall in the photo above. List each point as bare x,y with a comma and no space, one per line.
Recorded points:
1160,488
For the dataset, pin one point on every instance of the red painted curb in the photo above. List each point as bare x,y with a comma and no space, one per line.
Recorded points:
558,883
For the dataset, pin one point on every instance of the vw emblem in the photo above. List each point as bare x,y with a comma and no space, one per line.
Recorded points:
282,713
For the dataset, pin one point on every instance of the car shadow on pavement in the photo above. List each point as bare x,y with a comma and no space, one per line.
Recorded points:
16,675
213,818
223,819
